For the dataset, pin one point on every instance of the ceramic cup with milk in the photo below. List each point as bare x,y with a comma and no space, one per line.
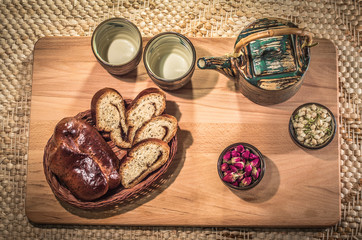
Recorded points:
169,59
117,45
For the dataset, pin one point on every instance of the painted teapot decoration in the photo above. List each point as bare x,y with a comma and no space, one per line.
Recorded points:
270,58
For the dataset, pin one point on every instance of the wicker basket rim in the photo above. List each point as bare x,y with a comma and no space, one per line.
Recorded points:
113,197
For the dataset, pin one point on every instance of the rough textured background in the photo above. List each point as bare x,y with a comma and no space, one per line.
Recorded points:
24,22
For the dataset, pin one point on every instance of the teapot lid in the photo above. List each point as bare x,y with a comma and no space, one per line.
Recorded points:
273,63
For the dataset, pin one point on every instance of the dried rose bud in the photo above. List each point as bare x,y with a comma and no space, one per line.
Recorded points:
233,169
241,177
240,148
224,167
235,160
253,156
227,156
227,172
228,178
248,169
235,154
255,162
239,165
232,177
238,175
246,181
245,154
235,184
255,173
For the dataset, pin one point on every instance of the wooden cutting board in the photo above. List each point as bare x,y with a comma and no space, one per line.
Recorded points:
300,187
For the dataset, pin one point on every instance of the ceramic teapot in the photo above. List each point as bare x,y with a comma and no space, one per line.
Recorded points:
270,58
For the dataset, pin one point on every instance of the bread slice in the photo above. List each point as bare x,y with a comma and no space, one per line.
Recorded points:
109,114
144,158
149,103
163,127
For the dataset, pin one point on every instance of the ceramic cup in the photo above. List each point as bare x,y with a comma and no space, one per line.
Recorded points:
117,45
169,59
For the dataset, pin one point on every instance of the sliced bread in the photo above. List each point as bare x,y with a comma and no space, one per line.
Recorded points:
163,127
109,114
149,103
144,158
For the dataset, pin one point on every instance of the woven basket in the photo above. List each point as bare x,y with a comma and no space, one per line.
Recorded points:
114,196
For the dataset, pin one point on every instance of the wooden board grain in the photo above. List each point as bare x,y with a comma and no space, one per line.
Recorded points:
300,187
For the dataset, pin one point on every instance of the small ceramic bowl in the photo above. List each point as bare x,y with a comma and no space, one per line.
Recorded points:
331,132
169,59
241,170
117,45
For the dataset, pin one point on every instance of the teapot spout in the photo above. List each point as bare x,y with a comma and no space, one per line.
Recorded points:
224,65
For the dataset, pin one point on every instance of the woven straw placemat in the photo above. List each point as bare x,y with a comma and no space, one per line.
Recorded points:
24,22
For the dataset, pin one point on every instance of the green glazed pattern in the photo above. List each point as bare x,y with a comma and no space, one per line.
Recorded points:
273,63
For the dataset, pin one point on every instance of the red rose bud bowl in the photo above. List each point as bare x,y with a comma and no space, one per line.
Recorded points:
241,166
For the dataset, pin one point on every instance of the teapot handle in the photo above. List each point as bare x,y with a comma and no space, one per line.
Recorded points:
272,33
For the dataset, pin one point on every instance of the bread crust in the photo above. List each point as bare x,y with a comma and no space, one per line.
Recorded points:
115,133
82,159
134,104
95,100
170,133
142,94
130,157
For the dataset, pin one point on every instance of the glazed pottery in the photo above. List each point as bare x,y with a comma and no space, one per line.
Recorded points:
117,45
270,58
